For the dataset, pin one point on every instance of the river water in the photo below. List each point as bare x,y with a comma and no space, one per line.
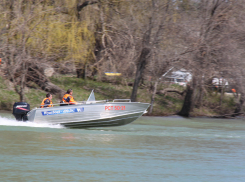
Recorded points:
149,149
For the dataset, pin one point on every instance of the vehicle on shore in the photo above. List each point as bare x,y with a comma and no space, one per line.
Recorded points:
85,114
178,81
180,77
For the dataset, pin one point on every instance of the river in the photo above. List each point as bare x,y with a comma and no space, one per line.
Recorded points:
149,149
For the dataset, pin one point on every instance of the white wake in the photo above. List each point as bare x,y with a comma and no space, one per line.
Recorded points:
12,122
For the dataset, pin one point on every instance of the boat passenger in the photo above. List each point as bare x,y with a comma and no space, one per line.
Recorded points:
68,98
47,102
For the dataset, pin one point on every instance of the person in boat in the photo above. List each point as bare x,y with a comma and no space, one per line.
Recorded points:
68,98
47,102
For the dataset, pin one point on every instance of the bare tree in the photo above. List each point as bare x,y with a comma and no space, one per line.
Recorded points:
209,46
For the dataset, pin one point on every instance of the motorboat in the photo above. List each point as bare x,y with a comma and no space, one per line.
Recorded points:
85,114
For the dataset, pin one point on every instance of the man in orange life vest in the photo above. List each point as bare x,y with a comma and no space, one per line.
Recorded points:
47,102
68,98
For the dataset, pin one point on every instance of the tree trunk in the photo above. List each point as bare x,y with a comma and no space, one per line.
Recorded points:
199,97
85,71
22,95
221,95
239,105
186,108
140,68
153,96
81,72
200,94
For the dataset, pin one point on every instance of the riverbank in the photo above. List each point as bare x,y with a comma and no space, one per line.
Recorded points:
165,105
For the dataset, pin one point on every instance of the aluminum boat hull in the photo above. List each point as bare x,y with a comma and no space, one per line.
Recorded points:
90,114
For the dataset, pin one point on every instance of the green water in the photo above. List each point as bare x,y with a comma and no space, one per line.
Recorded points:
149,149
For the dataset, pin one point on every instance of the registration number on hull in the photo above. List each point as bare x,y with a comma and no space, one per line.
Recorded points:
115,108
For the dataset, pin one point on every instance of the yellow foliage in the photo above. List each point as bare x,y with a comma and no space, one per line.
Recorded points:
41,29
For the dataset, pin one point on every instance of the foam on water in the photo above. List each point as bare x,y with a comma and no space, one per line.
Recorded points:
12,122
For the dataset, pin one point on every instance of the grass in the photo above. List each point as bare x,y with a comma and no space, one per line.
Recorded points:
168,104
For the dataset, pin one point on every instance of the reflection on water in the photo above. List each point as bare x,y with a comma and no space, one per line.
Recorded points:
149,149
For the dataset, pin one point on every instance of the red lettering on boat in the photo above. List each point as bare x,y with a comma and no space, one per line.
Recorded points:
108,108
115,108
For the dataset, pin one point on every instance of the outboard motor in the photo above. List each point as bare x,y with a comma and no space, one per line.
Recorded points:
20,110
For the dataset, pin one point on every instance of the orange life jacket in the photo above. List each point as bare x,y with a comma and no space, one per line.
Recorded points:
44,105
68,99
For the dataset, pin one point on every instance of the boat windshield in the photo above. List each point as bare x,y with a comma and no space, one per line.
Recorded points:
91,97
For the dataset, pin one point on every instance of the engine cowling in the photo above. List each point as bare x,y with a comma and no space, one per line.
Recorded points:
20,110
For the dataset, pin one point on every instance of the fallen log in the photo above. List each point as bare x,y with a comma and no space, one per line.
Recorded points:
34,75
233,115
164,91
